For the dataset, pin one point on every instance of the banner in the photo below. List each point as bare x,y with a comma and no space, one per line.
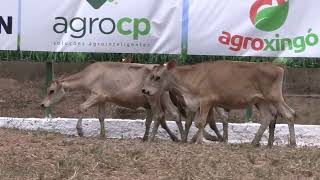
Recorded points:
276,28
118,26
8,24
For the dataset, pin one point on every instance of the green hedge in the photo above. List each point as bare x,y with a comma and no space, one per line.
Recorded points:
145,58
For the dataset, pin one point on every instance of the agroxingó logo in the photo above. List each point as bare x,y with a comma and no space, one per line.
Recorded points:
81,26
268,17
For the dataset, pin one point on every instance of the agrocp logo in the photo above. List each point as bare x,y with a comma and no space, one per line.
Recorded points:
81,26
96,4
268,17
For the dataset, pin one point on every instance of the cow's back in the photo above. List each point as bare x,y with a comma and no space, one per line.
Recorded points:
234,82
120,82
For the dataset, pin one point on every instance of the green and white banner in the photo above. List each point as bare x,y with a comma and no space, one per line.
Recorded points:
124,26
287,28
8,24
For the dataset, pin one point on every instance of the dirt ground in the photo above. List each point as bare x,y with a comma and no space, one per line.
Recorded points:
39,155
22,99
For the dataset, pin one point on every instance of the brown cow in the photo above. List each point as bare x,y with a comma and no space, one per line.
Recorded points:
226,84
118,83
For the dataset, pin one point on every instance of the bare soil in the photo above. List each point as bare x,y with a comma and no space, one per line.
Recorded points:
22,99
39,155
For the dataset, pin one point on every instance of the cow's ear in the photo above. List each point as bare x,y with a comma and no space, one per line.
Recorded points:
171,64
155,67
58,83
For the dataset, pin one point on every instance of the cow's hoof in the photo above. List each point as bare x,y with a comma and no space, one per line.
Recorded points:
199,142
80,134
292,145
145,138
175,140
211,138
255,144
184,140
270,146
220,140
151,139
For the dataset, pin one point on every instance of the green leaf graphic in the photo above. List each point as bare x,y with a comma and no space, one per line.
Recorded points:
96,4
272,18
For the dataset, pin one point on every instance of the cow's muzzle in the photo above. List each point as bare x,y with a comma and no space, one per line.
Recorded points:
146,92
42,105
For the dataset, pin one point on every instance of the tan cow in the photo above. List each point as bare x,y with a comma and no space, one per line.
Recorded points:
226,84
118,83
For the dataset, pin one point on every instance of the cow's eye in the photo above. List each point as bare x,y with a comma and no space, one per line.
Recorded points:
51,91
157,78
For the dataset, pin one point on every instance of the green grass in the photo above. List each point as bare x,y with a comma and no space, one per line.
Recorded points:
145,58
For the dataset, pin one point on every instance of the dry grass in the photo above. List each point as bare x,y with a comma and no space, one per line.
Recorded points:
39,155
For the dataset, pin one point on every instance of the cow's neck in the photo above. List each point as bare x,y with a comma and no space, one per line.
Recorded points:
178,84
181,81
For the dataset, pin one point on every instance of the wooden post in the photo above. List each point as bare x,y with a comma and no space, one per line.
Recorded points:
49,77
184,33
248,114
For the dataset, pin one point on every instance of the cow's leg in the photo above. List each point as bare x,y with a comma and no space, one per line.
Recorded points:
272,127
92,100
79,127
266,118
165,126
225,119
147,124
206,135
157,118
212,123
289,114
225,126
200,120
187,125
102,115
180,127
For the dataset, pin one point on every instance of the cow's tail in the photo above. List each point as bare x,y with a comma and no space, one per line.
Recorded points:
284,78
284,89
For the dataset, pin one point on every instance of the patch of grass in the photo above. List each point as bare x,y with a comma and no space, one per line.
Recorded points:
147,58
259,172
251,158
90,158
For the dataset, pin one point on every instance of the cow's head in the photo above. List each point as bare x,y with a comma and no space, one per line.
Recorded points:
159,79
55,94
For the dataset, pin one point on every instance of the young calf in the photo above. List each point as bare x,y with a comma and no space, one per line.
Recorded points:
226,84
